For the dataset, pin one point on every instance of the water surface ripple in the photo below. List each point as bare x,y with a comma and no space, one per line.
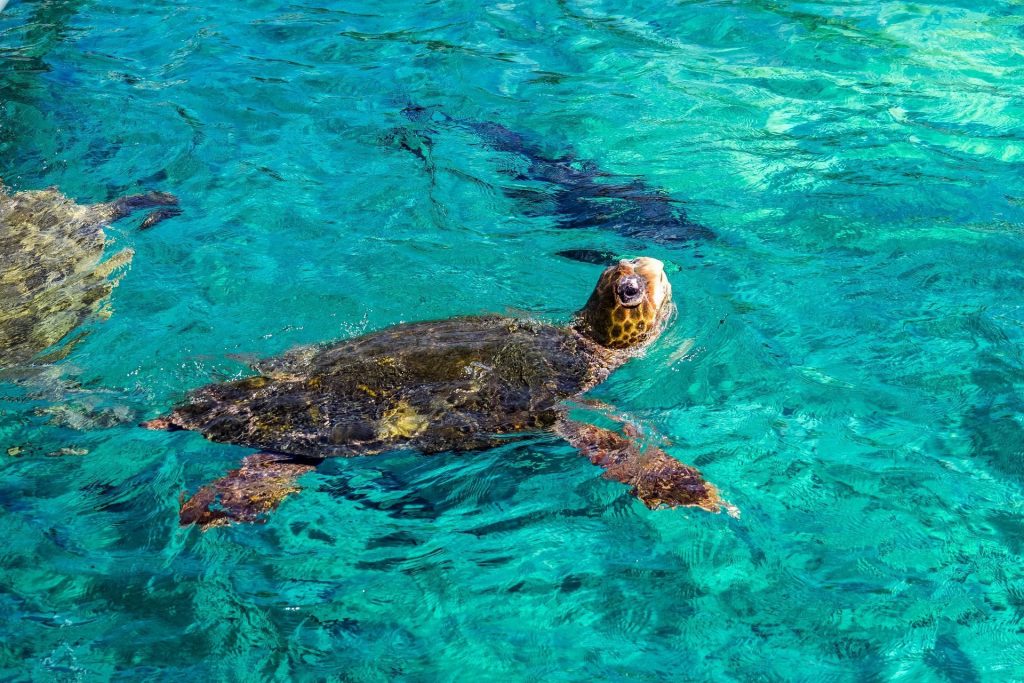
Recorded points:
847,363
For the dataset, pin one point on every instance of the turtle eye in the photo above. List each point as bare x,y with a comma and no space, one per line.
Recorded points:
630,290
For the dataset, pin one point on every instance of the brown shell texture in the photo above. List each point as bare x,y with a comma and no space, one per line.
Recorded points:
53,274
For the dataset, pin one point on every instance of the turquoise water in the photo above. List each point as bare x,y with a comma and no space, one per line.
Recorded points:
846,366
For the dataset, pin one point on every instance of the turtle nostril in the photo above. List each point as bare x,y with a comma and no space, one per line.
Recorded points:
630,290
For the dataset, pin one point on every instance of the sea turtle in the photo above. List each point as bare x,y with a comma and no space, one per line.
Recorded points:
576,192
460,384
52,271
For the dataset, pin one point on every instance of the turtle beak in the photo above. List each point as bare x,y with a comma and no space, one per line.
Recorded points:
653,271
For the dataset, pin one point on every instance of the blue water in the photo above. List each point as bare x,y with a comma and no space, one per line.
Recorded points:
847,365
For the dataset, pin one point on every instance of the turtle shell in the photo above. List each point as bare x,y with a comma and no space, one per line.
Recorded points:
52,271
457,384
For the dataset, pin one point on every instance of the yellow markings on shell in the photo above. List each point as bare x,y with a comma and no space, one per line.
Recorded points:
256,382
271,424
368,390
401,422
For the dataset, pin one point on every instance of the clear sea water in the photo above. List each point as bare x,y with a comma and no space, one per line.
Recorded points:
847,364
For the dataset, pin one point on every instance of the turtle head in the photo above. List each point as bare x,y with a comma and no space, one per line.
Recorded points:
629,306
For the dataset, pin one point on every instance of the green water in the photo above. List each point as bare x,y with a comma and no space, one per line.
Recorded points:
846,366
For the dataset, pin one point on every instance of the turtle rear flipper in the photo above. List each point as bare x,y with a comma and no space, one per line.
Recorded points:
656,478
123,207
158,216
245,495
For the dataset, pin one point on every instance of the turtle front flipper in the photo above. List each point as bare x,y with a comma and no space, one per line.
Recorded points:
656,478
149,200
244,495
165,203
